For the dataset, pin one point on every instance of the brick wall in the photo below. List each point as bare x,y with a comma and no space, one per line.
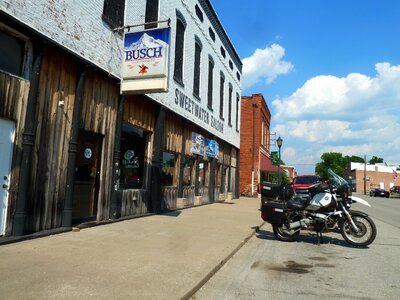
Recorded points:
246,139
374,179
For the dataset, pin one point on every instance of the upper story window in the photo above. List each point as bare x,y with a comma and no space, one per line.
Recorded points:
238,76
12,55
113,12
237,111
223,53
230,105
151,13
212,34
179,47
210,82
197,64
199,13
221,95
231,64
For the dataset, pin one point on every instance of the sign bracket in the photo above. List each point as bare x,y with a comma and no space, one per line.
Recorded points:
128,27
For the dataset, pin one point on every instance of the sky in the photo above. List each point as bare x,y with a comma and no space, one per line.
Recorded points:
329,71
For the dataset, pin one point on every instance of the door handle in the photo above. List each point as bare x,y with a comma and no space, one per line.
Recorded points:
5,186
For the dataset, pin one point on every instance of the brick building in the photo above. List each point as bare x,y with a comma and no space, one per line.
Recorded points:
255,142
377,176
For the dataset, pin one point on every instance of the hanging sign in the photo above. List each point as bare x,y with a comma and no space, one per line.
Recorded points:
145,61
197,143
212,149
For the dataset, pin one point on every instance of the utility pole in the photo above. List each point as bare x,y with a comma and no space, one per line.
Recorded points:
365,174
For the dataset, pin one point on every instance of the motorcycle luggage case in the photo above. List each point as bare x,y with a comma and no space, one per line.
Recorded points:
273,211
271,190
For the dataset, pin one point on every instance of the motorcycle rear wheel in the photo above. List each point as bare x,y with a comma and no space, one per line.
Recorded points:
284,234
366,231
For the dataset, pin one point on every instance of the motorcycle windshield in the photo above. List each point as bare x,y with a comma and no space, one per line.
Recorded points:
336,179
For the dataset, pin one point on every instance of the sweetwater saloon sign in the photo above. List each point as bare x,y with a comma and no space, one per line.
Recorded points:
145,61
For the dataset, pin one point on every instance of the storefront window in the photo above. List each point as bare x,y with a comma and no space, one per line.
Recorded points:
133,141
187,171
202,173
168,169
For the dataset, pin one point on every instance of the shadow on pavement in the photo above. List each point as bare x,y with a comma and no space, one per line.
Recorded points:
174,213
310,239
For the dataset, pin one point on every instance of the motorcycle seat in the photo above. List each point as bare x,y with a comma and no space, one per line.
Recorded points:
297,203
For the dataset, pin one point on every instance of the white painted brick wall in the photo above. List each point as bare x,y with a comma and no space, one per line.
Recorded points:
78,26
135,15
74,24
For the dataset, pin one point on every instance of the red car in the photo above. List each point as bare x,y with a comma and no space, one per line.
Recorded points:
301,183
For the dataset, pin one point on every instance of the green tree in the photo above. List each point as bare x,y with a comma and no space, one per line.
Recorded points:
353,158
282,177
331,160
375,160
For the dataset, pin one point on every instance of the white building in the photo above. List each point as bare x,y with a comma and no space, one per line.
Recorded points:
91,153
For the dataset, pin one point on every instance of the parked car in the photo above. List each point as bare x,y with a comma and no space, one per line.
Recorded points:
395,189
301,183
379,193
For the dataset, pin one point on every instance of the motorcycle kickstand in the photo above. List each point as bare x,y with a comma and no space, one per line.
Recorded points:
320,239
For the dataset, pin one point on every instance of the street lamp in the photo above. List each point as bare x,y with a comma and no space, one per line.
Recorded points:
279,142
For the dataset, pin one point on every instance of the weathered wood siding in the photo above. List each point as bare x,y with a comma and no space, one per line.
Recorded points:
13,101
140,112
173,133
55,102
134,202
99,115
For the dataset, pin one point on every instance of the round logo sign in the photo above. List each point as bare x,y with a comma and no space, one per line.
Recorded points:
129,154
87,153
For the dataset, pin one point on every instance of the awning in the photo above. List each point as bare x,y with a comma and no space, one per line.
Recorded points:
266,164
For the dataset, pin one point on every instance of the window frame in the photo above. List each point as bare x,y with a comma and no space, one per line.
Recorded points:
179,48
237,111
151,17
221,95
230,105
111,15
198,47
211,66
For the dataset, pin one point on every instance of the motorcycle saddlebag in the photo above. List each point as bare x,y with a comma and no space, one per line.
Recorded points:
273,211
272,190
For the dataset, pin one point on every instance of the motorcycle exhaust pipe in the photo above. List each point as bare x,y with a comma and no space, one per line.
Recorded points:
298,224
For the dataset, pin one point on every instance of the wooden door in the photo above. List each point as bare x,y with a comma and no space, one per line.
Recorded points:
87,172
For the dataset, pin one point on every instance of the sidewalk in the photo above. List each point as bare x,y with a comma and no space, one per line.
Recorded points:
157,257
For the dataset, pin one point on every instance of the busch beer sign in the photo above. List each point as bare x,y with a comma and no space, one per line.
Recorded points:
145,61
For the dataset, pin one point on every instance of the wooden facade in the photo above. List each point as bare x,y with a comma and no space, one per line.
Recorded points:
98,115
69,111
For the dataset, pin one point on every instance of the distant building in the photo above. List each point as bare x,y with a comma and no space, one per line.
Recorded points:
377,176
290,171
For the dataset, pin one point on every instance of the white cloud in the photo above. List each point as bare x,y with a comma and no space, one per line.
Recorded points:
265,64
319,131
327,95
354,115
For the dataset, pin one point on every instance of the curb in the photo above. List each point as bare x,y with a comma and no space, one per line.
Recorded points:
206,278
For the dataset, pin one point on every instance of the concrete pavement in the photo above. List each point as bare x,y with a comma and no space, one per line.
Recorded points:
156,257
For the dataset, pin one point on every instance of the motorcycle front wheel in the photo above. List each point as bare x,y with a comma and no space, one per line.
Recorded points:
365,234
284,234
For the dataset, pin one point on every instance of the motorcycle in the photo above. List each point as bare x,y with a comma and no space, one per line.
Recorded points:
325,208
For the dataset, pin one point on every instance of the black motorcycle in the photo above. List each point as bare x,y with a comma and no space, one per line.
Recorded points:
325,207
